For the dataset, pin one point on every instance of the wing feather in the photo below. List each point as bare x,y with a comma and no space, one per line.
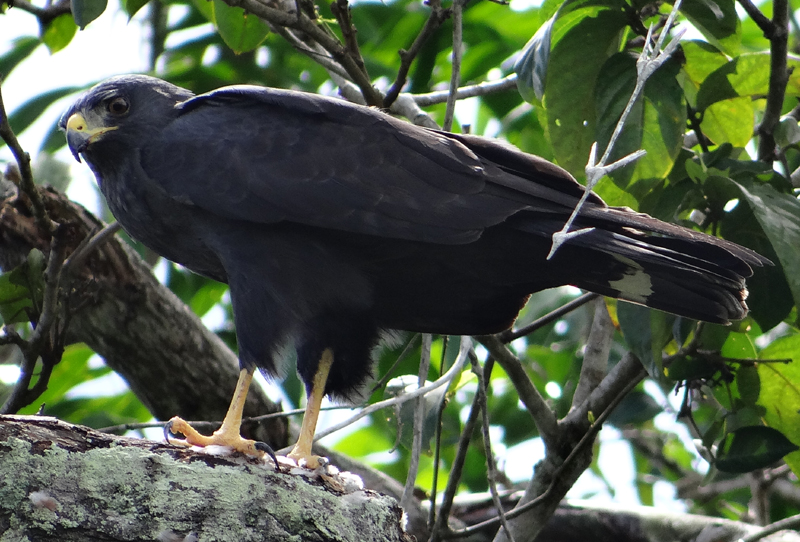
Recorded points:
268,155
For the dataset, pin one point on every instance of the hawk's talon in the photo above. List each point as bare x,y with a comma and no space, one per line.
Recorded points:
267,449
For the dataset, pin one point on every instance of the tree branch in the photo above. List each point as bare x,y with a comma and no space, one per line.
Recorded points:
437,17
74,484
778,78
540,411
45,14
300,21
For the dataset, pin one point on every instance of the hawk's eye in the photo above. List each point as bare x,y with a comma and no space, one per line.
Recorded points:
118,106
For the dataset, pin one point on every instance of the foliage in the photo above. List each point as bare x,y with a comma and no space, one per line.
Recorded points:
699,119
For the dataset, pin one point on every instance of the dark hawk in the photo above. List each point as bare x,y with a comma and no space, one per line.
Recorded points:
331,222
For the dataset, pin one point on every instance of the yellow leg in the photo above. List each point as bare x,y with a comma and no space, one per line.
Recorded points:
229,433
302,450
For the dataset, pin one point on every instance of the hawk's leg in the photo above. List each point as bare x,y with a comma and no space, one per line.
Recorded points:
228,434
302,450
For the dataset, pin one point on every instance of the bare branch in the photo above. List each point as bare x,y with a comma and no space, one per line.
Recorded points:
481,89
651,58
491,467
455,370
763,22
554,475
419,418
440,527
26,175
45,14
778,79
437,17
303,23
510,335
341,10
595,359
455,76
791,522
89,244
540,411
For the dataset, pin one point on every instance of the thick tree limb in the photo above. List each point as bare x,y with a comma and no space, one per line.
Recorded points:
75,484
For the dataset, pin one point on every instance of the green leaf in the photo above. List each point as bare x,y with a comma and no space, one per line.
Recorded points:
241,31
788,132
577,56
656,122
86,11
702,59
770,298
753,447
635,408
688,368
15,300
779,217
748,384
206,9
28,112
59,32
21,48
531,67
717,21
132,6
21,289
646,332
731,121
70,371
745,75
207,296
780,391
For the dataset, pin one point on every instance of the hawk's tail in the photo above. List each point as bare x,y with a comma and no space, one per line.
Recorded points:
637,258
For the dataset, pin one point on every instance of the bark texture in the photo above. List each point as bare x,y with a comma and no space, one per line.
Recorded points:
68,483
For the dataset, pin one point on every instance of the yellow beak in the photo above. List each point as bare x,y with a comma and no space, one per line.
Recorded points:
80,134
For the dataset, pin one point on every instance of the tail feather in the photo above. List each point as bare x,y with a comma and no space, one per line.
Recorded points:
643,260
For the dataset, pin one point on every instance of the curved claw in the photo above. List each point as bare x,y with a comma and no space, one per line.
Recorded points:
264,447
168,431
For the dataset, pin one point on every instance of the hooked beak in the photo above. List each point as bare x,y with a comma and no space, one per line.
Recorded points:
80,134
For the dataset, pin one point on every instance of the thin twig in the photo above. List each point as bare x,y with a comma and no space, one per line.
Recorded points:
419,419
438,442
26,175
41,343
455,76
341,10
595,358
435,19
455,370
410,345
508,336
90,243
631,381
481,89
316,31
453,481
206,424
543,416
45,14
651,58
792,522
763,22
491,467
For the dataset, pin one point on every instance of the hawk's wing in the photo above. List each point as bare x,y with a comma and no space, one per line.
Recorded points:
268,155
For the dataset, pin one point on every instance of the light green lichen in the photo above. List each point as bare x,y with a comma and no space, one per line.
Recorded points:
132,493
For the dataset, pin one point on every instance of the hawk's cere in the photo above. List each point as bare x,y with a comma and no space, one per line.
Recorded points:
331,221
